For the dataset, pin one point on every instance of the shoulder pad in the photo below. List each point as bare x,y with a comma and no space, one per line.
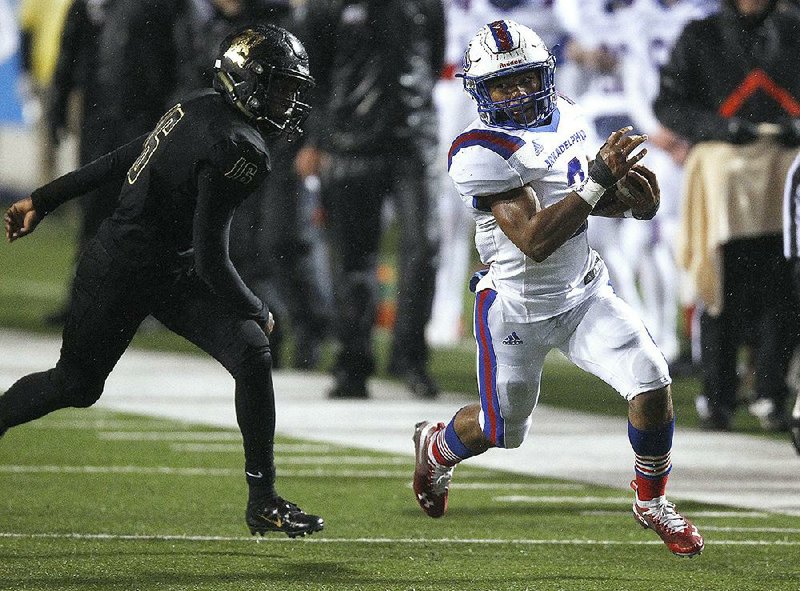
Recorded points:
240,162
478,162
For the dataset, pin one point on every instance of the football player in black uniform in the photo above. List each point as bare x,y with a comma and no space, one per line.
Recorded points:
164,251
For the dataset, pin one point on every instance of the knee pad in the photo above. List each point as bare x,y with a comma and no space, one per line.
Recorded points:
81,388
515,432
256,363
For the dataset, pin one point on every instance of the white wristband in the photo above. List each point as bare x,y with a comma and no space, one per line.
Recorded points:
591,191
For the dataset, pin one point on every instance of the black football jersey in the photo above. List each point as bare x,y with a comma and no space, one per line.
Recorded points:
180,185
159,192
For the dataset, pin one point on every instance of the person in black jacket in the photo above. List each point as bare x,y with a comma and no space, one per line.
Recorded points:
122,60
732,77
373,134
164,251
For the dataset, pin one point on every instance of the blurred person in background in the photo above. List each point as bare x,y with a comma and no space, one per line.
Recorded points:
598,41
119,55
732,88
791,250
372,136
164,251
41,24
271,239
455,111
653,27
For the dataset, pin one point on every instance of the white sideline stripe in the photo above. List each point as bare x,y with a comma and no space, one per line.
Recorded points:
184,538
96,424
756,530
170,471
208,436
308,460
514,486
169,435
562,500
707,514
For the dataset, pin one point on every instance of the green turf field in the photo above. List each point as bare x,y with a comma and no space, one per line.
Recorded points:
102,501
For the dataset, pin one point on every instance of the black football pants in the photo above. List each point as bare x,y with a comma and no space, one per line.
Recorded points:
110,298
756,308
354,188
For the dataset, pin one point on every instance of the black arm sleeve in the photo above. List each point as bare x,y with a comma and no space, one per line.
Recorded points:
212,221
109,167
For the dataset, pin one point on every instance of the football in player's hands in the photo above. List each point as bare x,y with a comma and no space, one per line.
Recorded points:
639,190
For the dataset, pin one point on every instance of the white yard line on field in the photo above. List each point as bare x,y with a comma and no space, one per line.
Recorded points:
562,500
172,471
706,514
318,540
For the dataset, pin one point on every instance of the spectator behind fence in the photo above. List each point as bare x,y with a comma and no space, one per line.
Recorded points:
271,239
373,134
732,87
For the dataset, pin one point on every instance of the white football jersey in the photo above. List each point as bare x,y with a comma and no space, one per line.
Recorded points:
551,159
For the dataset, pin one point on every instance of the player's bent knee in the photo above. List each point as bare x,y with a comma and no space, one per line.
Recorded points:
83,393
256,362
514,433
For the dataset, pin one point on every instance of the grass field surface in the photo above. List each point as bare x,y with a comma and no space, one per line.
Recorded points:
97,500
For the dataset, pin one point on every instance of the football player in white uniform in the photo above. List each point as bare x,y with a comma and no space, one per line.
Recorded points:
522,169
455,111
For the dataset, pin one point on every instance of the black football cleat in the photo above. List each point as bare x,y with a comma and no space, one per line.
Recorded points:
281,516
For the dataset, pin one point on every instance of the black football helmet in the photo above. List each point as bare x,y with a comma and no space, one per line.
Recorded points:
263,71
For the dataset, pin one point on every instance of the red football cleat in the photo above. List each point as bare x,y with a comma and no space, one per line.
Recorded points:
431,479
679,534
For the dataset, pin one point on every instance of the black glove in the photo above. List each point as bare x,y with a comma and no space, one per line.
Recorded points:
741,131
790,133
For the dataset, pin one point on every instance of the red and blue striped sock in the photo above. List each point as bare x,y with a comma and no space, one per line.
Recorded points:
653,463
447,448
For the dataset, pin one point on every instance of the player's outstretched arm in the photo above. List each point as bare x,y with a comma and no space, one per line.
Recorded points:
21,219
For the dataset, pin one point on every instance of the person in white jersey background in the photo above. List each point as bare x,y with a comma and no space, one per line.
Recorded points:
456,110
653,27
523,171
598,42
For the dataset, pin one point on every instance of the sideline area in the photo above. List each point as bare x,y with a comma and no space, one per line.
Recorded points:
726,468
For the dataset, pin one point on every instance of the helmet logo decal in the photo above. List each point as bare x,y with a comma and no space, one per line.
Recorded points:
239,50
502,36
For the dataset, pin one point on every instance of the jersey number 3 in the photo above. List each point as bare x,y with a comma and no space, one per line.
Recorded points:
163,128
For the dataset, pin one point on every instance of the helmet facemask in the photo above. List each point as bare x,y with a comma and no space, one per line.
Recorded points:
506,48
522,112
268,94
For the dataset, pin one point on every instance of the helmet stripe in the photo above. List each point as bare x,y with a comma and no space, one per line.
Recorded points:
502,36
